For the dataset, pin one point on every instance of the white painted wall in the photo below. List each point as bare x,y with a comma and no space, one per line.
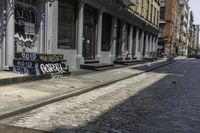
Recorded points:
105,57
69,55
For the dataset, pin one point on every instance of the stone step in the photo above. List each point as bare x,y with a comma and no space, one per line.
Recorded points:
38,56
128,62
31,63
107,68
24,70
149,59
95,66
91,61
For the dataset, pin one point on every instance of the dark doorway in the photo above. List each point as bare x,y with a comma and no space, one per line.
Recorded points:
106,32
89,33
144,44
118,39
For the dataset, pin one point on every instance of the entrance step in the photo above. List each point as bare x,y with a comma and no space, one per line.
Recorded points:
9,78
91,61
97,66
149,59
128,62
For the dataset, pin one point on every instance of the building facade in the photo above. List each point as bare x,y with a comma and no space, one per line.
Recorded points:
184,11
169,27
81,30
149,12
193,46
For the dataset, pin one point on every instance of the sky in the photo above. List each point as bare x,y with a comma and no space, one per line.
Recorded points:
195,6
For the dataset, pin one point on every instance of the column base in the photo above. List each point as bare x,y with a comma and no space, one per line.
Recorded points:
79,60
98,58
138,56
147,55
112,58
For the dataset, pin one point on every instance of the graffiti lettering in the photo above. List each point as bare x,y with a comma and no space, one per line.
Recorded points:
28,56
39,57
21,70
24,64
45,57
54,68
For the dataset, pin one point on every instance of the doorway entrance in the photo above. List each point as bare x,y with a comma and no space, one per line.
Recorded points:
118,40
89,33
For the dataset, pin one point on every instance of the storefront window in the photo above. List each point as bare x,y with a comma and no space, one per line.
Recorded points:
66,25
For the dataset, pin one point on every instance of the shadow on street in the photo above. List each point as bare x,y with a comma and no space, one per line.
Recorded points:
171,105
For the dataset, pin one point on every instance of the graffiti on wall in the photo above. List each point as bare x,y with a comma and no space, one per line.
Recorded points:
38,64
25,26
41,57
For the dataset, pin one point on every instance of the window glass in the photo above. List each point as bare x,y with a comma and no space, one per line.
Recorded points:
66,25
106,32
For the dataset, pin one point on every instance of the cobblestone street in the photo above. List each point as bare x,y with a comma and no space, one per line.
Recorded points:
166,100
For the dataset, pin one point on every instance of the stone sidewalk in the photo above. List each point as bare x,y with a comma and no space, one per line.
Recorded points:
23,97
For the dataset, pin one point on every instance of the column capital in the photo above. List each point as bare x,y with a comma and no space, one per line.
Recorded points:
101,10
83,1
51,1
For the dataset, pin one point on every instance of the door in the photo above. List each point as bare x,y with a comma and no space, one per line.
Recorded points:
89,33
118,40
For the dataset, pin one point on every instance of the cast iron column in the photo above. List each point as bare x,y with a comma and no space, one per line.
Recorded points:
136,42
99,34
130,43
113,39
10,33
80,59
147,45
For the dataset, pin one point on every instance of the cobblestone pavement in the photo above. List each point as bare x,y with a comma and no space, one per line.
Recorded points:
164,101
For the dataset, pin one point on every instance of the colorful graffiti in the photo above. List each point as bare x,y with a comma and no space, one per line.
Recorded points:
37,64
41,57
25,26
60,67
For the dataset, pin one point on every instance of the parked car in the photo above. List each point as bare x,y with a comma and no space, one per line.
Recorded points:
198,55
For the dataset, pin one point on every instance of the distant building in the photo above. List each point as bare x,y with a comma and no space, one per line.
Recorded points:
197,36
194,40
184,11
193,35
169,27
149,12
